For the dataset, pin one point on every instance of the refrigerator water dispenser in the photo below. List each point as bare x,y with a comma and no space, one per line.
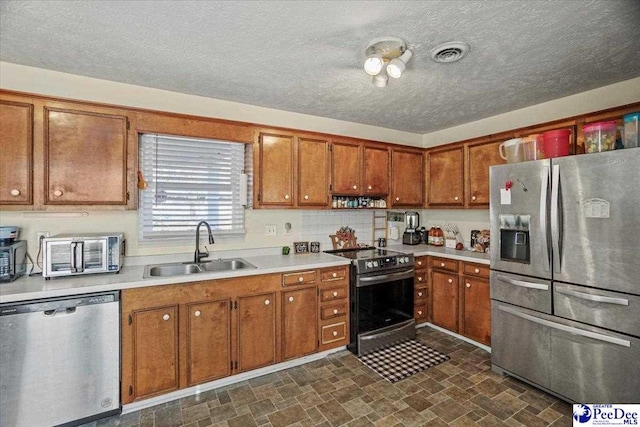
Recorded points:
514,238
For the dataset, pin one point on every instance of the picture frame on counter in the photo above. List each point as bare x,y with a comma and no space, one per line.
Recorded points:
301,247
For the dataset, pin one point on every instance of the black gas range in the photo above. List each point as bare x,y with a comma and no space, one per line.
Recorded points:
381,293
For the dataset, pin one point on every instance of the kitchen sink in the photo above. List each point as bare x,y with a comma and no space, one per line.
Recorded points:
184,268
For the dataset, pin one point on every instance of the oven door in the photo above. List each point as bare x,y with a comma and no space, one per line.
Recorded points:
381,303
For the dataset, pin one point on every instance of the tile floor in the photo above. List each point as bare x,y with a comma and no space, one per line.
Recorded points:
340,391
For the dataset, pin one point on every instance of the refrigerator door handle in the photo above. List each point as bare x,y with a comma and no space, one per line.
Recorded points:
568,329
523,284
595,298
544,188
555,218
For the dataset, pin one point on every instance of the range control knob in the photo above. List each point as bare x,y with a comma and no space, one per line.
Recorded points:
400,260
369,264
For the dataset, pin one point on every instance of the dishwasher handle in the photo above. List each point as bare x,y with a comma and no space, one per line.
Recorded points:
58,306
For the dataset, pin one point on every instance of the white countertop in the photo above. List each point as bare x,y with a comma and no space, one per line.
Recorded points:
441,251
130,276
36,287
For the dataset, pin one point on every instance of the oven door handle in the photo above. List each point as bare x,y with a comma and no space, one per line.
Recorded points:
374,280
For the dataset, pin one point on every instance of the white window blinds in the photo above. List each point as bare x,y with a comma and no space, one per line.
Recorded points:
190,180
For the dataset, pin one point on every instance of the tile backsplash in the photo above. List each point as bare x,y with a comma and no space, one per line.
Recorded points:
316,226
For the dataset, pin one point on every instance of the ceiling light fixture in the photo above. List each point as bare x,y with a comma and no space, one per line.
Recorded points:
381,79
386,56
397,65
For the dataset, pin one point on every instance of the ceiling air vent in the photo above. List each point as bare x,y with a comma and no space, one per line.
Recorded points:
449,52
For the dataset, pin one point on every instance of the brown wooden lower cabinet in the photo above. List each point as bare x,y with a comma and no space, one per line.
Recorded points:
155,351
333,321
208,341
299,314
256,331
444,291
178,336
459,298
476,311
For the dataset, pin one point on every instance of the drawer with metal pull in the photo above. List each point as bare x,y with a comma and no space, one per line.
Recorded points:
444,264
471,269
331,294
333,274
333,310
299,278
333,332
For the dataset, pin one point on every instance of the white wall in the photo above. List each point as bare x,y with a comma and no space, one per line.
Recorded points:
625,92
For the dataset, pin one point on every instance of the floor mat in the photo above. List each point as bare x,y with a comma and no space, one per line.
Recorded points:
402,360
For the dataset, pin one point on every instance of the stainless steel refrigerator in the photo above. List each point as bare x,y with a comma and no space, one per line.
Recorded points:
565,279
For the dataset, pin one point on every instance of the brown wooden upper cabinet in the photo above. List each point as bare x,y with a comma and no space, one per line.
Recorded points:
85,156
359,168
292,170
313,172
479,157
346,161
407,178
275,160
375,179
16,153
446,177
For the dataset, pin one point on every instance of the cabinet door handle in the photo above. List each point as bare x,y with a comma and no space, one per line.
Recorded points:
419,262
442,264
290,299
468,285
334,275
355,187
450,280
306,197
397,199
419,294
300,279
335,294
197,313
419,279
456,198
419,312
15,192
335,311
335,333
369,187
57,193
267,302
286,197
166,317
473,198
477,270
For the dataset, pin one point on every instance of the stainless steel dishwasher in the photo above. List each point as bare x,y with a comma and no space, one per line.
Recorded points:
59,360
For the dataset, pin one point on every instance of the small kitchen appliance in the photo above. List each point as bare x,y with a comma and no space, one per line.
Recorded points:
87,253
411,234
381,292
13,260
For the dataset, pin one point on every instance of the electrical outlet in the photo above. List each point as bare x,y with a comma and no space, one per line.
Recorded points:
41,234
271,230
287,229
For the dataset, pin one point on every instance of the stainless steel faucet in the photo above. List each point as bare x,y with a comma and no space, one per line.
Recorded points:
199,255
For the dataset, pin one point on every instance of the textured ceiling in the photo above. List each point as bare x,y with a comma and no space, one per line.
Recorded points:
307,56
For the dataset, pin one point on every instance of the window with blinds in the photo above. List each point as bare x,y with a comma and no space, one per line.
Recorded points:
190,180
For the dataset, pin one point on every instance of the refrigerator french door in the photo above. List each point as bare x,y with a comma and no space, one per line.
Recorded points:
566,254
